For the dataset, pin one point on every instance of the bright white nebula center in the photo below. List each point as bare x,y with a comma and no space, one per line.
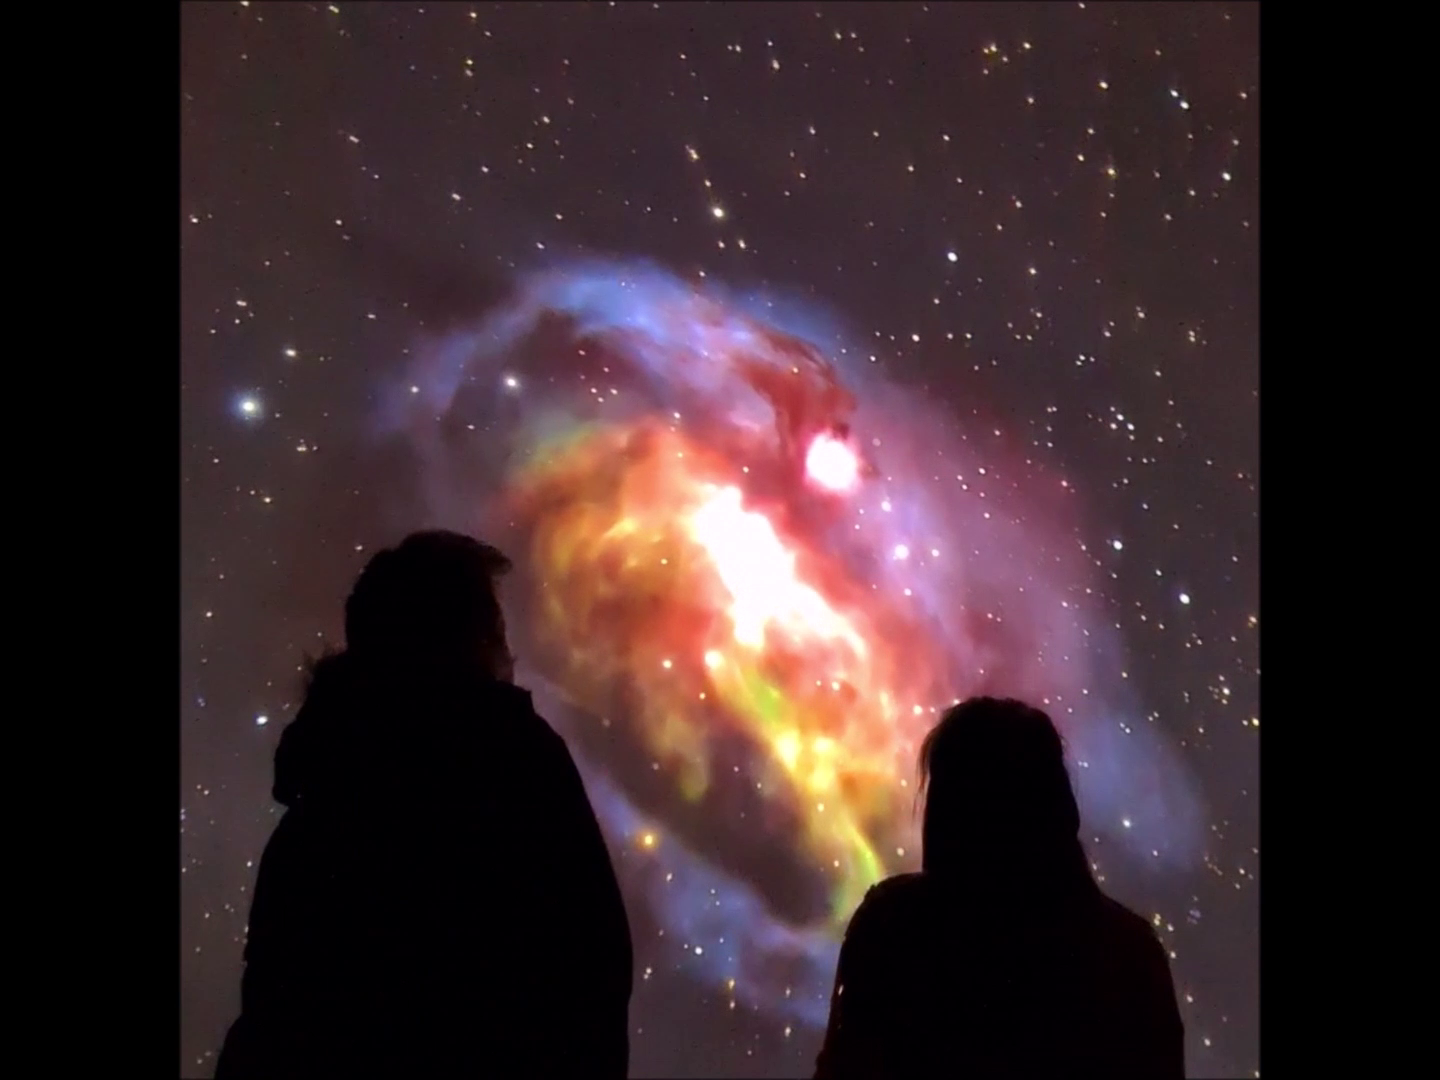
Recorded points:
758,571
832,464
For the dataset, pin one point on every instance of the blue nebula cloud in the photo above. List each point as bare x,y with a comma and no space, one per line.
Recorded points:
1000,577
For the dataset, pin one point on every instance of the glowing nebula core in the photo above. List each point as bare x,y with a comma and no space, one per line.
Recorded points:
753,573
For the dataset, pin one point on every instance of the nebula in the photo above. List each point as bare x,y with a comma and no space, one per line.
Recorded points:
753,571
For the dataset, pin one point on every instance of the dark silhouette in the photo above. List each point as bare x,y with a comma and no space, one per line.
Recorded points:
1002,958
438,899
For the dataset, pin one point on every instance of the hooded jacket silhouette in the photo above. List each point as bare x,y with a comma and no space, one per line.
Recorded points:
1002,958
438,899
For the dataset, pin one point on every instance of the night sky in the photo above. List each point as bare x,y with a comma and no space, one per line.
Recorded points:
1041,218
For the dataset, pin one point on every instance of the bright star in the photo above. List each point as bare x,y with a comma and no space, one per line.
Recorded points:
832,464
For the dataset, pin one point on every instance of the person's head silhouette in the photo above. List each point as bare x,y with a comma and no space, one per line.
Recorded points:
998,799
430,602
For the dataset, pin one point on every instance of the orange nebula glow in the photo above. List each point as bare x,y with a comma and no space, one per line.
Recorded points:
659,578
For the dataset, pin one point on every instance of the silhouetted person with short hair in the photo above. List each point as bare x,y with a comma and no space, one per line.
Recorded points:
438,900
1002,957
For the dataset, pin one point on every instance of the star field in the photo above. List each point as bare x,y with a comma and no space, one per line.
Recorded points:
1045,216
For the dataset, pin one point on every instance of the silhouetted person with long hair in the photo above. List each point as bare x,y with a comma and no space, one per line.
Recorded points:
438,900
1002,957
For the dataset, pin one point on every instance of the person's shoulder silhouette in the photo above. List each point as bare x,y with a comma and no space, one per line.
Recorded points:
438,897
1002,957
